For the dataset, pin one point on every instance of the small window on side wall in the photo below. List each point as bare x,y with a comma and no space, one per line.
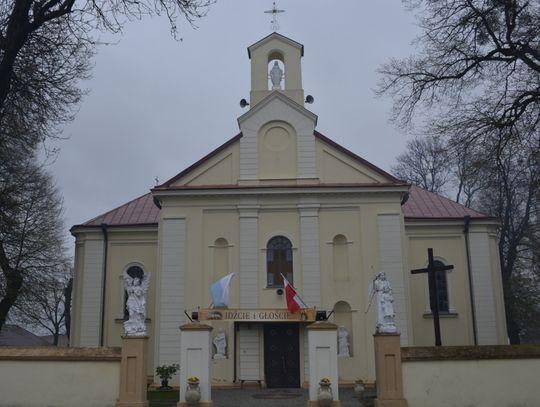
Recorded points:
441,284
279,260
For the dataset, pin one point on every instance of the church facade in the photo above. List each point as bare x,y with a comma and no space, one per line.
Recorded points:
282,198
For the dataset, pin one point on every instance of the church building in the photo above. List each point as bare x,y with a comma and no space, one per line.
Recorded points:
280,198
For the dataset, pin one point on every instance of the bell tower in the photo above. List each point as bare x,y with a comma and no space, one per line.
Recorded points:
276,66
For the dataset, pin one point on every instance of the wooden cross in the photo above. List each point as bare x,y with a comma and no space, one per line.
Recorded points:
431,270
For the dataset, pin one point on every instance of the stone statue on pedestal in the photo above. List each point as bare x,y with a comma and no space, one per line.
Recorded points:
385,303
136,288
220,342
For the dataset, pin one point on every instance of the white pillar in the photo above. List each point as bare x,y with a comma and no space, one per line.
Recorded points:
195,360
322,343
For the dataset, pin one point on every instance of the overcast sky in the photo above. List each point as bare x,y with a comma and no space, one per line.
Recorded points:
156,105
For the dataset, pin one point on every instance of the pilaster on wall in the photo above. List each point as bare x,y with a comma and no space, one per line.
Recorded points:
249,255
484,301
172,298
91,301
307,166
311,264
391,262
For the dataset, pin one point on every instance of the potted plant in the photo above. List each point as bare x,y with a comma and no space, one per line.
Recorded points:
325,395
165,373
359,388
193,391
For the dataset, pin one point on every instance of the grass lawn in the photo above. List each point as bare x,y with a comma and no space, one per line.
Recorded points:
163,398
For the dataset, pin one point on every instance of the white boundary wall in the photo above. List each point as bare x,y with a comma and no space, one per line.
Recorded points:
43,377
510,381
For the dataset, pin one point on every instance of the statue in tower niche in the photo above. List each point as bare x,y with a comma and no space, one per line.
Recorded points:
385,303
136,288
220,342
276,74
343,342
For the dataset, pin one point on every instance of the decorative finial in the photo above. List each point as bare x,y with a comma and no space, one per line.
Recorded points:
156,180
274,12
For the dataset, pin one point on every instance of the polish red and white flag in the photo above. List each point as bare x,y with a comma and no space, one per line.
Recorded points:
294,302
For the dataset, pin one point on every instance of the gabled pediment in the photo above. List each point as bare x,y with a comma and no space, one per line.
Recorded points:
274,98
336,164
275,37
219,167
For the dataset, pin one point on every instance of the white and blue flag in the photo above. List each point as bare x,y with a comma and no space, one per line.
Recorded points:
220,291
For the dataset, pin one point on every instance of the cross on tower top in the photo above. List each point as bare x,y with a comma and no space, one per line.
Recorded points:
274,12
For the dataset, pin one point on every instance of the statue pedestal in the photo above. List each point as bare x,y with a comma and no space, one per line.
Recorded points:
322,344
195,360
388,371
133,372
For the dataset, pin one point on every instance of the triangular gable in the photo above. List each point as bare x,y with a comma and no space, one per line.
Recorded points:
336,164
263,104
276,36
219,167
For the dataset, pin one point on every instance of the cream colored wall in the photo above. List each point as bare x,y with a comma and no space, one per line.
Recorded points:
478,383
497,284
126,249
354,217
277,155
335,167
77,295
32,383
351,223
448,245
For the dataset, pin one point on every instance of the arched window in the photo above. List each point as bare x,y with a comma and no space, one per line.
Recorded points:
341,258
442,288
279,260
133,272
221,258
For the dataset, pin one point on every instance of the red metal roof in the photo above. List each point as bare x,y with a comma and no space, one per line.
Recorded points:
427,205
138,212
421,205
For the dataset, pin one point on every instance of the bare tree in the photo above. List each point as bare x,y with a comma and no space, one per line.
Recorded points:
506,187
476,81
425,163
45,307
477,74
510,194
45,48
31,238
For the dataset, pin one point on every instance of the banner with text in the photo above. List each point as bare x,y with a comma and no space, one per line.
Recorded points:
256,315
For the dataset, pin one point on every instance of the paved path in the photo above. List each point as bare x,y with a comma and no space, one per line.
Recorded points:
251,397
